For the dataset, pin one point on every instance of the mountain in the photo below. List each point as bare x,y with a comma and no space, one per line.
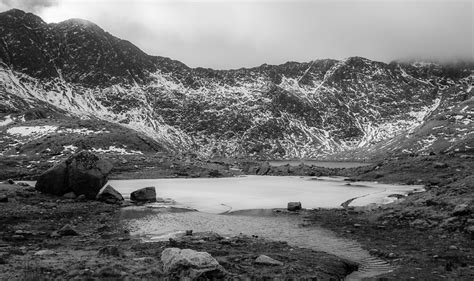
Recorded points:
74,72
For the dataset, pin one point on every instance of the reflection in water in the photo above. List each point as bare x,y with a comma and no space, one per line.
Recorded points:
161,225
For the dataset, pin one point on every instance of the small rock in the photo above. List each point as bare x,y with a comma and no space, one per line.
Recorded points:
373,251
419,223
357,225
470,229
108,194
67,230
81,197
461,210
266,260
10,181
44,253
3,199
4,258
111,250
70,195
294,206
147,194
191,264
392,256
109,272
440,165
189,232
18,237
452,247
23,232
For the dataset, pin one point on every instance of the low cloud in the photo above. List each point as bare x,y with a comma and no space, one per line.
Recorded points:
236,33
34,6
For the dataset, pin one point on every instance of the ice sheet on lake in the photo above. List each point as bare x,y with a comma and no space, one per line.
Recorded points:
262,192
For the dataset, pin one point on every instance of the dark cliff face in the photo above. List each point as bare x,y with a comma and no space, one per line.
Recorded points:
78,50
311,109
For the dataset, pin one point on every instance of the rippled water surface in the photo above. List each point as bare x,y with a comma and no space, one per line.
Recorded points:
158,226
213,196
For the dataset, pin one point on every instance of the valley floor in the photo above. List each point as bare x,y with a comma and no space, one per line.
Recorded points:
427,236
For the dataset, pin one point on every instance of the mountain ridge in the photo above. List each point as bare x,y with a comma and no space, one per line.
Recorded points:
294,110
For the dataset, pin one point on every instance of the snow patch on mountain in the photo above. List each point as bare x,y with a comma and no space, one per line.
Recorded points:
31,131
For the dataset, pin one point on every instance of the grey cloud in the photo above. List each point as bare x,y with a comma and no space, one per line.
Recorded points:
28,5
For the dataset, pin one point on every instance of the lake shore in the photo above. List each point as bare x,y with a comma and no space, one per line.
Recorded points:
422,236
46,237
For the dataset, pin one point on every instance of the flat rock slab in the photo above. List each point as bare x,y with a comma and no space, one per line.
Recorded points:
266,260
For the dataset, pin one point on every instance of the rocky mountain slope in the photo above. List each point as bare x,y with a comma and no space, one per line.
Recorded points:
353,108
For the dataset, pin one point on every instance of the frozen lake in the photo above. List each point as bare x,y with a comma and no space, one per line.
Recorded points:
218,195
325,164
212,196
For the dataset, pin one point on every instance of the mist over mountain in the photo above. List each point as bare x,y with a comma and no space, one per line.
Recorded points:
74,76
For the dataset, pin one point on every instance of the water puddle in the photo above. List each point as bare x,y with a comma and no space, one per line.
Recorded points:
162,224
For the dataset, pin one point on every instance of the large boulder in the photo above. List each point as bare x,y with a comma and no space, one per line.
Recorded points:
147,194
108,194
187,263
294,206
84,173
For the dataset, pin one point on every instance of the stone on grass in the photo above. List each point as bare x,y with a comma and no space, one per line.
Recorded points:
266,260
110,273
111,250
70,195
67,230
4,257
147,194
108,194
294,206
82,173
44,253
263,169
461,210
187,263
440,165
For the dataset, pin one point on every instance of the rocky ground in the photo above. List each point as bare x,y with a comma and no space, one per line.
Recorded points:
47,237
426,235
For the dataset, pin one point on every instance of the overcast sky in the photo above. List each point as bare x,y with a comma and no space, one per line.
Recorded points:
231,34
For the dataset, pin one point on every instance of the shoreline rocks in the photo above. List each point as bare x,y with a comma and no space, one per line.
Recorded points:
147,194
84,173
294,206
110,195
